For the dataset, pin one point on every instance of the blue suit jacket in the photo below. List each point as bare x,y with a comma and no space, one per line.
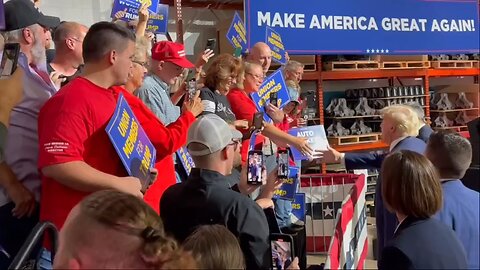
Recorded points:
386,222
423,244
424,133
460,212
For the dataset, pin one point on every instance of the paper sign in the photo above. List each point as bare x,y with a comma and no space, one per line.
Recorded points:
274,41
129,6
298,206
130,141
289,187
274,83
186,160
158,22
237,35
317,139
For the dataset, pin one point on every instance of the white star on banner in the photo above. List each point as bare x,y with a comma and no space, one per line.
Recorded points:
378,50
381,51
327,211
386,50
368,51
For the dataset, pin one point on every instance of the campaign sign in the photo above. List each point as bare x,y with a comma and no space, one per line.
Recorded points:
158,22
289,187
274,83
317,139
186,160
236,34
130,141
274,41
367,26
298,206
2,16
129,6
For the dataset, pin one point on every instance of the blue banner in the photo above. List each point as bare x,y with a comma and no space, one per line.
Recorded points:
274,83
274,41
158,22
129,6
317,139
130,141
289,187
236,34
367,26
298,206
186,160
2,16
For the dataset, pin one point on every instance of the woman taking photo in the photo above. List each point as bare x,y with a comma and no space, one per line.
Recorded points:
411,189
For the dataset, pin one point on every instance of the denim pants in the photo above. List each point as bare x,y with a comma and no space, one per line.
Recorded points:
283,210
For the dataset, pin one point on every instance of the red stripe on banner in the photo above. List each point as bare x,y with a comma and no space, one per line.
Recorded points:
327,179
321,243
336,249
363,256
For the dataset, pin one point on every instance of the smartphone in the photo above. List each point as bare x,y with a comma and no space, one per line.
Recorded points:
255,169
258,120
274,99
281,246
211,43
191,84
10,55
283,168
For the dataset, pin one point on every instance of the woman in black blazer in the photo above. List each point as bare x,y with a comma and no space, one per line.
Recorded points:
411,189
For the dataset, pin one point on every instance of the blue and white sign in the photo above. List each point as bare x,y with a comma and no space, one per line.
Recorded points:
289,187
236,34
367,26
298,206
158,22
274,83
130,141
186,160
274,41
130,7
317,139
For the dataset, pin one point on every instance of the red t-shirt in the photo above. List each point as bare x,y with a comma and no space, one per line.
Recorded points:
166,141
244,109
71,127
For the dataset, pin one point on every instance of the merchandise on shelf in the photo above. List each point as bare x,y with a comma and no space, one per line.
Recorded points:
337,130
341,109
462,119
362,108
442,121
462,102
441,102
359,128
329,110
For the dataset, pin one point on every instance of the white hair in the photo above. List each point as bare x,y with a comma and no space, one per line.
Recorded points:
38,49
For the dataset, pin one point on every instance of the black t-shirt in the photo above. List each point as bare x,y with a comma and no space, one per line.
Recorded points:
216,103
50,69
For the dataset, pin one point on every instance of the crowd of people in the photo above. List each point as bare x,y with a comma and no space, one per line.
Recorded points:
58,164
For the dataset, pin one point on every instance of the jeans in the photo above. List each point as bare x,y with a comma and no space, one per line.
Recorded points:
14,232
283,210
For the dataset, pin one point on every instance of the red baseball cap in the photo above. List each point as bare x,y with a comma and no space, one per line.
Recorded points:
172,52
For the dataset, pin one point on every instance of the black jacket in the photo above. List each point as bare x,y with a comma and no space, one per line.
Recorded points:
205,198
423,244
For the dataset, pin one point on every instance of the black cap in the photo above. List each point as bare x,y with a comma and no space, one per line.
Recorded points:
23,13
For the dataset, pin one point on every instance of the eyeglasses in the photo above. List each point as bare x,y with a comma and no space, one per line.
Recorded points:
257,77
143,64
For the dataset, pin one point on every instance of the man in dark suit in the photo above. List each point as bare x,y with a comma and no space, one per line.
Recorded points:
399,128
452,154
425,130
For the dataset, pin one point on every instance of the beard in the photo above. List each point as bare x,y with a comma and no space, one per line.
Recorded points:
39,57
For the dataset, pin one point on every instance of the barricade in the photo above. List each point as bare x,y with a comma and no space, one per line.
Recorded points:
336,218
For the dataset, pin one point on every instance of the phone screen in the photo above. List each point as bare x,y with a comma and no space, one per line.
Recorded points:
211,43
282,251
283,170
191,84
258,120
274,99
255,168
9,59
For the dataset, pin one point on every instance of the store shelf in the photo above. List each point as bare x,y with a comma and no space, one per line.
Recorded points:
400,97
350,117
361,146
453,110
453,72
370,193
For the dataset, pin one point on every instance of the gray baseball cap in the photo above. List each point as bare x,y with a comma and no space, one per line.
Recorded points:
212,132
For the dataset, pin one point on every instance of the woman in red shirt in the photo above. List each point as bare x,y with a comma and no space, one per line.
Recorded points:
244,108
166,139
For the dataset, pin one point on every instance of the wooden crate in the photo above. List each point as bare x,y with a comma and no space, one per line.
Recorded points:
354,139
453,64
351,65
401,58
404,64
